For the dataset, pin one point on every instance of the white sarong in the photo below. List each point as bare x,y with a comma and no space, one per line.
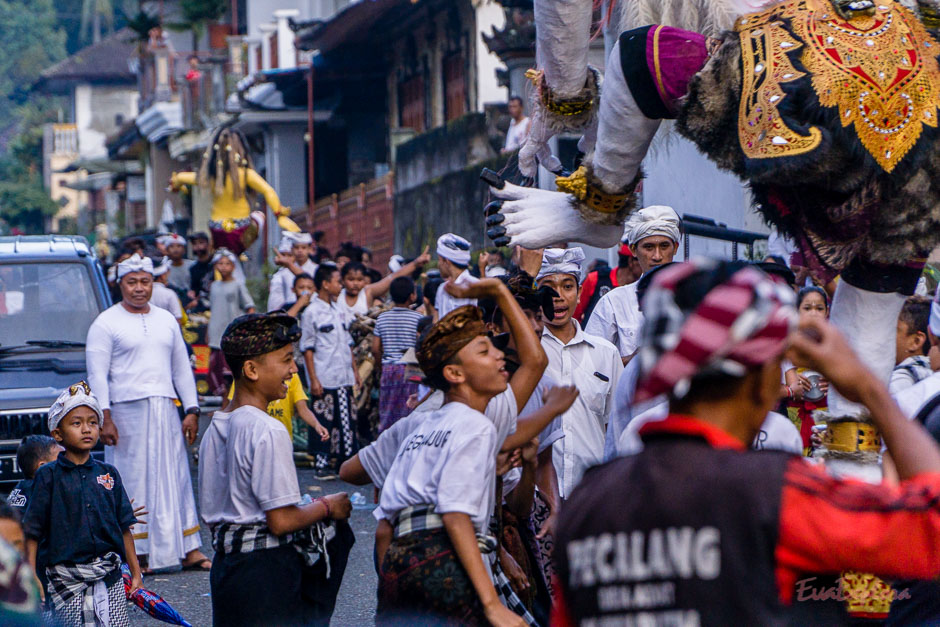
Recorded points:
151,457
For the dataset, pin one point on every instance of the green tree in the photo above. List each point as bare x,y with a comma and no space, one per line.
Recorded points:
198,13
31,41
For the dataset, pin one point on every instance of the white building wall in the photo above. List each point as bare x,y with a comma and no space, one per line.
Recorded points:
99,111
678,175
489,15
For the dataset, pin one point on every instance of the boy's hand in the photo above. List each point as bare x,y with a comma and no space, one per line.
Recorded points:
139,511
423,258
316,388
819,346
137,583
190,428
283,260
559,399
530,452
322,432
340,506
484,288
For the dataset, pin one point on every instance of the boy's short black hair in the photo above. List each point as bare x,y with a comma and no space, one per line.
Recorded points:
8,512
31,449
916,314
374,275
514,98
302,275
353,266
401,290
430,290
323,274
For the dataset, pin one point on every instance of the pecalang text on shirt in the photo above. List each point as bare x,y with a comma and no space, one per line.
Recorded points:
674,552
434,439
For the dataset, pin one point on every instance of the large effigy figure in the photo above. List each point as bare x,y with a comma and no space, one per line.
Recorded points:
227,172
826,108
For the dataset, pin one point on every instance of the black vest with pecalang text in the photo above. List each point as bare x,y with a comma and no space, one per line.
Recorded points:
681,534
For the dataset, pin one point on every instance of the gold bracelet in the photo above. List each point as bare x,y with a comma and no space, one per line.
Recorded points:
565,107
578,186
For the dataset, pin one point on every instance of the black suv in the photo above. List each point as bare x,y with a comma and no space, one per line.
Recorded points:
51,289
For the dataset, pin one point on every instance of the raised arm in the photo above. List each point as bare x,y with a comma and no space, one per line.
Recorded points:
380,288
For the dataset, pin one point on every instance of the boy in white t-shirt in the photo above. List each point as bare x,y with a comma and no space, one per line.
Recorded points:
440,490
266,542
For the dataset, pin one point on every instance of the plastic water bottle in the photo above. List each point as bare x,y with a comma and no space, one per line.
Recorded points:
358,501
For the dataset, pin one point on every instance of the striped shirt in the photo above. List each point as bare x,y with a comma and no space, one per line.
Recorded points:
398,330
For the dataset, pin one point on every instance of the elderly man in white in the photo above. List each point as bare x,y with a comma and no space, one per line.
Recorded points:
575,357
653,234
137,366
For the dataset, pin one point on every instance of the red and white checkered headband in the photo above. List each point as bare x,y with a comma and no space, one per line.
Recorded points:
741,323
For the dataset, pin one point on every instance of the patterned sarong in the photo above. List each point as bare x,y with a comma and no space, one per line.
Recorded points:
335,411
82,596
394,393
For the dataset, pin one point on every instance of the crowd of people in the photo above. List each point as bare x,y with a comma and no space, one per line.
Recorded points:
550,443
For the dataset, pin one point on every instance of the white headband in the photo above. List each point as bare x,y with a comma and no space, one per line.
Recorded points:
171,238
296,238
655,220
163,268
395,263
134,263
77,395
561,261
224,252
454,248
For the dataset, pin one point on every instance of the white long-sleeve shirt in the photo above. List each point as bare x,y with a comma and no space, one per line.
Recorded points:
617,319
593,365
281,290
132,356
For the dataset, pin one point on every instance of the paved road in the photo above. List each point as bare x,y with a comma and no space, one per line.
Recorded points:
188,592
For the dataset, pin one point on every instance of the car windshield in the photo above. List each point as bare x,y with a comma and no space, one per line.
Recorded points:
45,302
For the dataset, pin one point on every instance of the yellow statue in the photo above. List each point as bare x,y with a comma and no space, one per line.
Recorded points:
227,171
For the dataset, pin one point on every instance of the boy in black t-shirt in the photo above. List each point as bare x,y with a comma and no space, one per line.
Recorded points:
80,510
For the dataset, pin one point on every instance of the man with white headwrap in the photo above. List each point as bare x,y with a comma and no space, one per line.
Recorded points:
653,234
590,363
175,246
137,366
163,297
453,258
294,259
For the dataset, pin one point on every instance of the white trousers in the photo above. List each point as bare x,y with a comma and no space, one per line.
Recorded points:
151,457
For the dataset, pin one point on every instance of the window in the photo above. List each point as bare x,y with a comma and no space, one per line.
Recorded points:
455,87
411,104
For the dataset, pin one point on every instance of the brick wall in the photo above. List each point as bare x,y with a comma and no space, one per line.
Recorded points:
363,215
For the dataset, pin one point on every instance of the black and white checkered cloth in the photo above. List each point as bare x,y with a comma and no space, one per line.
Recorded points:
80,596
423,518
245,538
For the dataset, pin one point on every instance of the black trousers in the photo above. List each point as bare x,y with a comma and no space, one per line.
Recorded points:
275,588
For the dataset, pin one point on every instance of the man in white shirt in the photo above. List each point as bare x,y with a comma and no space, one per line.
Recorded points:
137,366
653,234
328,357
294,258
590,363
175,246
163,297
453,258
518,127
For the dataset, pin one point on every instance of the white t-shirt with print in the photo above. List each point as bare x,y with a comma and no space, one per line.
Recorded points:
448,462
377,458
